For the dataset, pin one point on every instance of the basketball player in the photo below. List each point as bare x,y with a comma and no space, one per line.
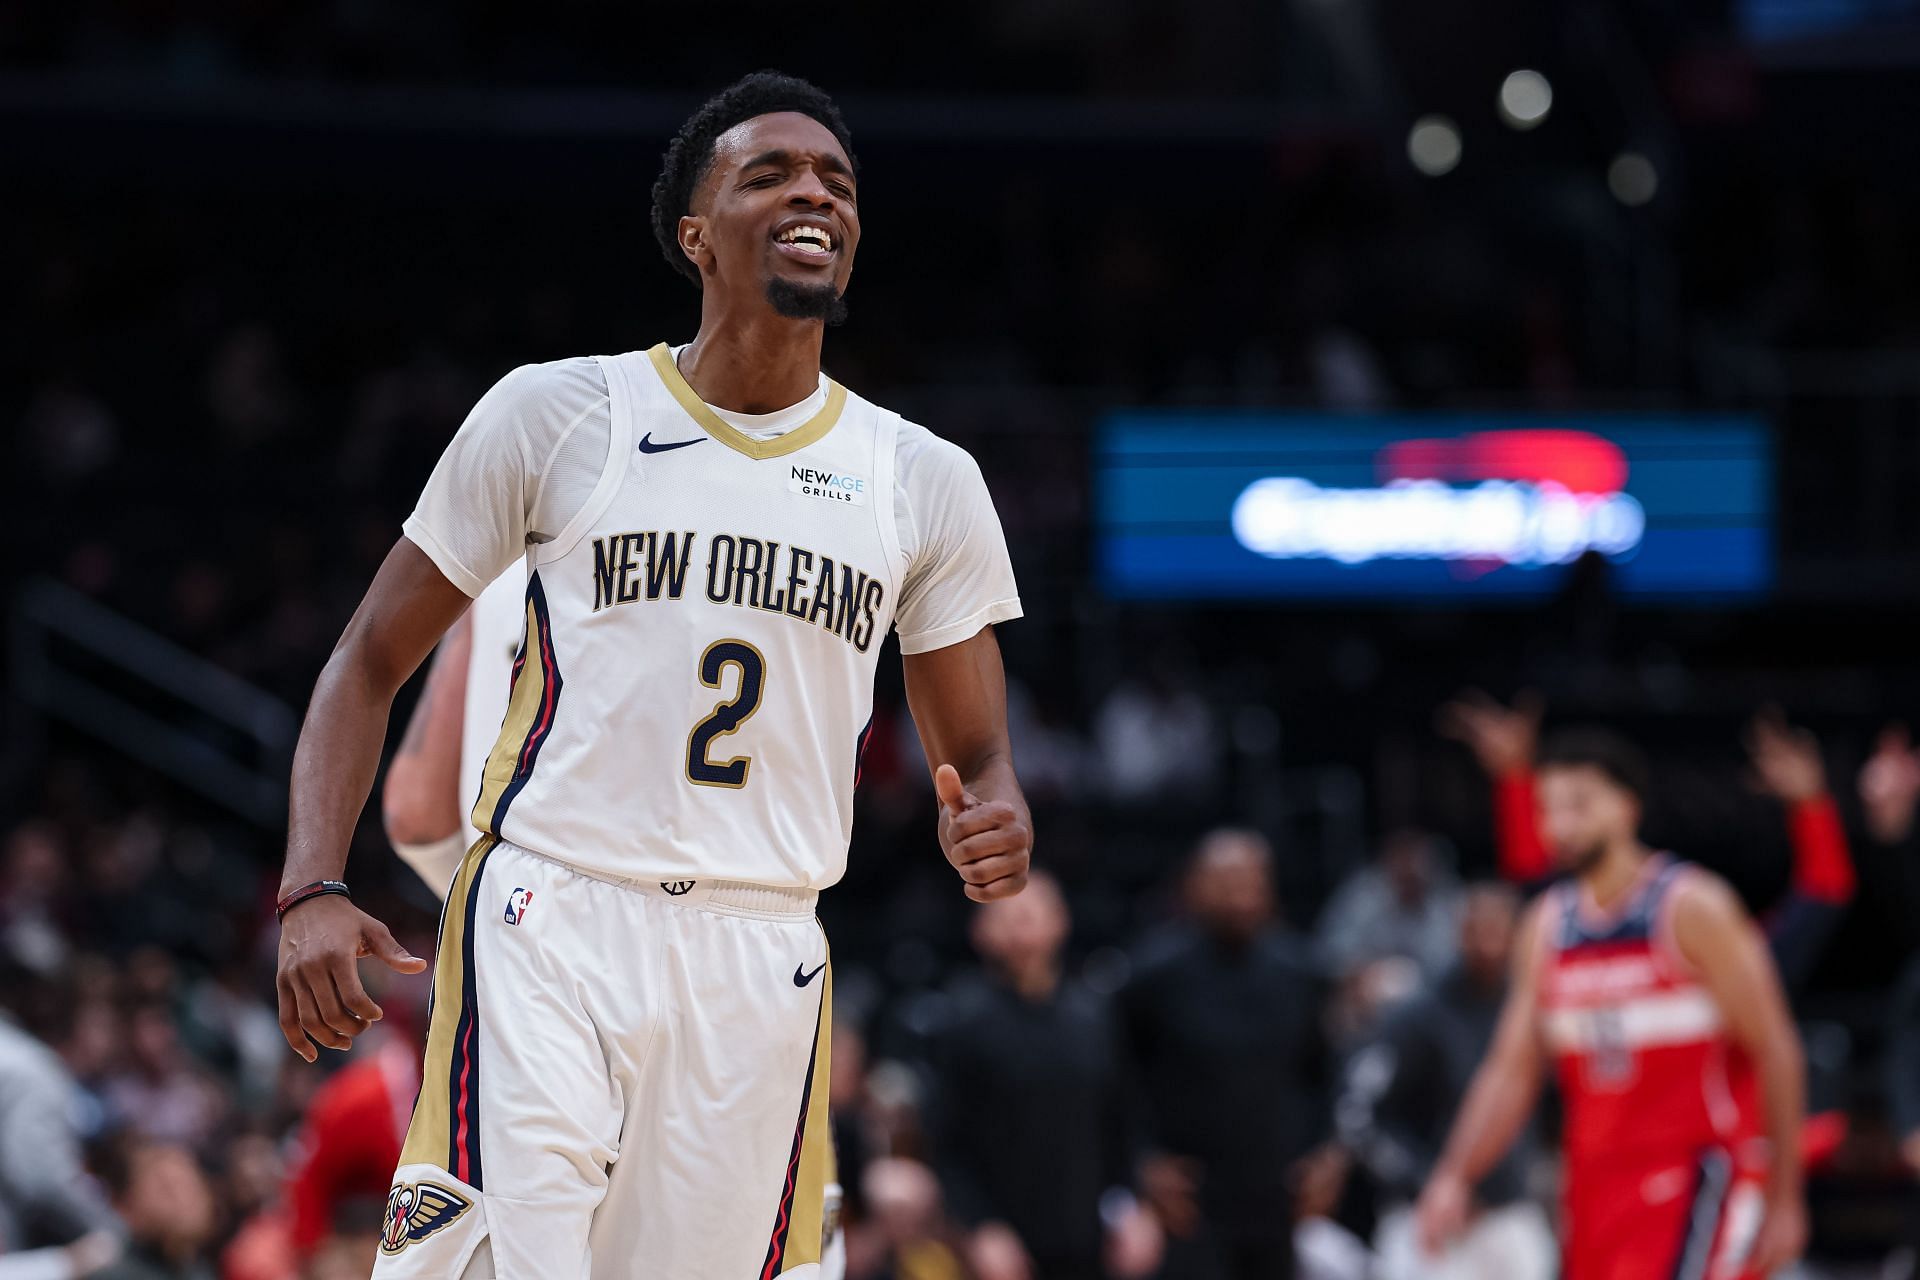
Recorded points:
1645,983
442,758
625,1073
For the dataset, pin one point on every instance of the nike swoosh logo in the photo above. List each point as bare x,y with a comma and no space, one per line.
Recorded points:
801,978
648,446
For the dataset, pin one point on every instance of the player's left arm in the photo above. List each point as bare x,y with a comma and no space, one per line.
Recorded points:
958,695
420,799
1715,935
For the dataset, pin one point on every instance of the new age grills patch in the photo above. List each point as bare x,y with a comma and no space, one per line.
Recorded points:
835,486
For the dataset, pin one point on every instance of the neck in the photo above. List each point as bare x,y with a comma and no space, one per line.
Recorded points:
754,362
1034,981
1613,875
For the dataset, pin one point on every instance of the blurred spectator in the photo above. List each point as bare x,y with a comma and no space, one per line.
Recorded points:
1903,1064
905,1238
35,874
893,1222
349,1250
1787,766
46,1194
348,1146
1156,739
161,1093
1890,786
1032,1129
1399,1096
1222,1024
1405,904
168,1207
1054,760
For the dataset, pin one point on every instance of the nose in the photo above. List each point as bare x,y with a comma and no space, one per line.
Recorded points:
807,189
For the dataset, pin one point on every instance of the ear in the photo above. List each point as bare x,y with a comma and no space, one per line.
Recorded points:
693,242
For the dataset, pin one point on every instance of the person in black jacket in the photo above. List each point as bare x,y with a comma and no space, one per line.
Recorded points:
1223,1023
1031,1126
1399,1094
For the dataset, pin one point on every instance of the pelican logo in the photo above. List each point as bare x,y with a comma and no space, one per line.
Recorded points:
676,887
415,1210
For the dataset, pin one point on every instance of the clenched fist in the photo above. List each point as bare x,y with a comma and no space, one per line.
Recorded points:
987,841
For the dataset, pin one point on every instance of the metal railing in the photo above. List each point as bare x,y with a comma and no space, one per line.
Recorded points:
78,662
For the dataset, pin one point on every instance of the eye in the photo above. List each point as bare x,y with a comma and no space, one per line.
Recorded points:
764,180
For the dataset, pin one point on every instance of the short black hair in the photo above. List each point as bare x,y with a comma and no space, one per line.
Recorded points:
690,154
1601,749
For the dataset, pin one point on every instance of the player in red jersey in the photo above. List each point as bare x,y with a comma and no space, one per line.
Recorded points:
1644,983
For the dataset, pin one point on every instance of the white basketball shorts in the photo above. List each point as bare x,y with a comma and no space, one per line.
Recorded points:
622,1080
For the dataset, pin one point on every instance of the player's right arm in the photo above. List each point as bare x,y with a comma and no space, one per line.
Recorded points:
1503,739
958,586
474,518
1498,1101
410,604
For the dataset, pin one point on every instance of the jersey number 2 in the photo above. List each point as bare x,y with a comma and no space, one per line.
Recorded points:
727,716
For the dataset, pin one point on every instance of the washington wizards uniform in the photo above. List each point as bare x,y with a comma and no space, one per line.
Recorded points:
1664,1146
627,1065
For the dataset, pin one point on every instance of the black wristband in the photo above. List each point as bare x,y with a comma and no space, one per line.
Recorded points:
307,892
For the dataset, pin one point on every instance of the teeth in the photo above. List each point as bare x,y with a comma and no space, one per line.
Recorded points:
817,237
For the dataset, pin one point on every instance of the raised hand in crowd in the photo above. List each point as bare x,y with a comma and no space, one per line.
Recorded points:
1786,761
1890,785
1502,738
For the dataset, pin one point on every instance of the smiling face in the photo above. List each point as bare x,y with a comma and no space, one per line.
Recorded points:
775,217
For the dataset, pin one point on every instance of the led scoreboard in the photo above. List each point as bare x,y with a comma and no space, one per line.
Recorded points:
1202,504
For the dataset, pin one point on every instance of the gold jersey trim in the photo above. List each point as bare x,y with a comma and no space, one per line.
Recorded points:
808,432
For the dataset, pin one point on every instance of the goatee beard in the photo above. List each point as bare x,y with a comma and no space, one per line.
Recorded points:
806,301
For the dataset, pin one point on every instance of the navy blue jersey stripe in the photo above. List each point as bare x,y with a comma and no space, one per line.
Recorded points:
463,1110
549,701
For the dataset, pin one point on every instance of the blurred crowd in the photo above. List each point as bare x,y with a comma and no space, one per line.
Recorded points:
1206,1082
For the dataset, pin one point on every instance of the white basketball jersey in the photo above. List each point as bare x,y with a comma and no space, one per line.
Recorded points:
695,679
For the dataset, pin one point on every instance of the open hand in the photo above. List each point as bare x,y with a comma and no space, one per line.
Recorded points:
987,841
321,999
1786,760
1501,738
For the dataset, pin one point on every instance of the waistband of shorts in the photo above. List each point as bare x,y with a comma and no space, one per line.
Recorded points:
724,897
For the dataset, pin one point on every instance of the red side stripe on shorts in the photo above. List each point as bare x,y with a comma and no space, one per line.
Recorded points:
783,1220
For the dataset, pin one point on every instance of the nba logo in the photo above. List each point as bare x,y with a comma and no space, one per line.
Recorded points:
517,902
